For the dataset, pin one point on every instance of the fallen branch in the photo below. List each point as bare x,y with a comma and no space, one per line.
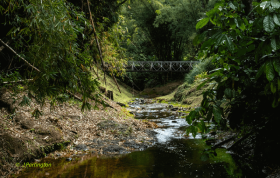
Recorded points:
75,96
19,56
240,140
78,98
29,80
223,142
116,83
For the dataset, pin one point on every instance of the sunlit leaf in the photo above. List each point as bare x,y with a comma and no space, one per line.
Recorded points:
217,114
268,23
269,70
275,4
202,23
261,70
276,19
229,43
273,43
265,4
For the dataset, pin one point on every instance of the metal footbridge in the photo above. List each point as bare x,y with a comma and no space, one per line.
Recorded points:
159,66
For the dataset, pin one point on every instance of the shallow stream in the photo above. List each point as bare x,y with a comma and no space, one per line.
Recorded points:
173,155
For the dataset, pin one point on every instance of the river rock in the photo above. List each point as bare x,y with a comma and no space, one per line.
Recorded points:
113,148
170,106
81,147
174,109
134,145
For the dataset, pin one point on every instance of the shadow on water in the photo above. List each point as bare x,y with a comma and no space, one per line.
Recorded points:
173,156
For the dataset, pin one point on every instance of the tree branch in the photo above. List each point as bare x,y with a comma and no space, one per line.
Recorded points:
120,4
2,47
19,56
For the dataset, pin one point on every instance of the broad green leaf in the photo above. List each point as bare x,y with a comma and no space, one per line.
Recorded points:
260,71
228,93
214,23
259,23
276,20
196,40
272,87
238,31
194,131
232,24
268,23
217,114
207,43
242,27
275,103
190,117
241,51
269,70
229,43
236,22
265,4
232,6
250,48
276,64
202,23
273,43
203,128
220,39
216,35
209,114
212,12
275,4
246,21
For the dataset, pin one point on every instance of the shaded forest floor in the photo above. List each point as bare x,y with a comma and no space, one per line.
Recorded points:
65,130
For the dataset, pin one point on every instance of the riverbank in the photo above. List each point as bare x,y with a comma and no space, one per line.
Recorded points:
66,131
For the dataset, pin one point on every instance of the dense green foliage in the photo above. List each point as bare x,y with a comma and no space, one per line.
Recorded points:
245,47
160,30
57,38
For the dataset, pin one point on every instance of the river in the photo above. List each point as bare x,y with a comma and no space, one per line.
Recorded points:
173,155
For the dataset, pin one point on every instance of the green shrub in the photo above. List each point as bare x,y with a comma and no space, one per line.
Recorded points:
204,66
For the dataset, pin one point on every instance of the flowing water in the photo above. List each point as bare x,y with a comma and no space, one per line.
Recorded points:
173,155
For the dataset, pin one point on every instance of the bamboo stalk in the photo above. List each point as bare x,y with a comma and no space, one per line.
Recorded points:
99,49
96,39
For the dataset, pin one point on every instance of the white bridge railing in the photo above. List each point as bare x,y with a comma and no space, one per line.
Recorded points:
160,66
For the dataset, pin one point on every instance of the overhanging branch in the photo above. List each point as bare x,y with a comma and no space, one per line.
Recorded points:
6,45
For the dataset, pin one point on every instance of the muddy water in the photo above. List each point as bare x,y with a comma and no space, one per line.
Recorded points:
173,155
